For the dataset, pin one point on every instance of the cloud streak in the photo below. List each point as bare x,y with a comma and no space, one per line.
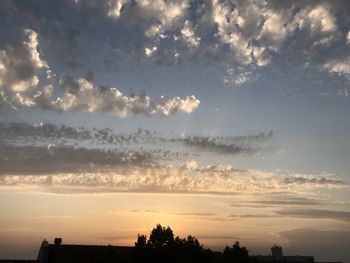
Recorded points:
188,178
314,213
57,159
46,133
249,144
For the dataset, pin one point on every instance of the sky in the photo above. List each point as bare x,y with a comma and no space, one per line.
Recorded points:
226,120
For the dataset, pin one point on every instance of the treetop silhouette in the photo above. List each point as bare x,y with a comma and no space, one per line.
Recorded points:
161,246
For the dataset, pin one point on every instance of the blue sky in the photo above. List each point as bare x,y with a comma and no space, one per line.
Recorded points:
243,99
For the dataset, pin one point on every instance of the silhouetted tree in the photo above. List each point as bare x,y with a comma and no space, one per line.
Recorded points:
163,247
236,253
141,249
160,237
141,242
190,250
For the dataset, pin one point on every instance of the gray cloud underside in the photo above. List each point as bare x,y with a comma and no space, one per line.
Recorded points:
77,158
249,144
301,180
19,133
58,159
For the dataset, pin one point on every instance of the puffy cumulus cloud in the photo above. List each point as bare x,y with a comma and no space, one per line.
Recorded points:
274,32
156,18
188,178
81,95
256,31
20,64
189,35
167,15
250,28
228,21
340,66
240,36
150,50
21,68
318,19
115,6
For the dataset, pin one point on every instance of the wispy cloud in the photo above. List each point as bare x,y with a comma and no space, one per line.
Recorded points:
44,134
249,144
285,200
57,159
315,214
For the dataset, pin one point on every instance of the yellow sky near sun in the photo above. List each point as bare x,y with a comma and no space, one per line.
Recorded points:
28,216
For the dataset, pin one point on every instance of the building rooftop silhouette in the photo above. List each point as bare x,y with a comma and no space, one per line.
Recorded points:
57,252
277,256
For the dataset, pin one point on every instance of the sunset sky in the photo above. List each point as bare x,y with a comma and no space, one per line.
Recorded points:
226,120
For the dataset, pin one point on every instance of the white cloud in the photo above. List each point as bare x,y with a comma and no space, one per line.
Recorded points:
275,29
245,35
339,66
261,56
150,50
319,22
82,95
114,7
238,76
20,64
321,19
228,21
168,14
189,35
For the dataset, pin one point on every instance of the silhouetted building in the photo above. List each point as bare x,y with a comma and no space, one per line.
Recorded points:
18,261
58,253
65,253
276,252
277,256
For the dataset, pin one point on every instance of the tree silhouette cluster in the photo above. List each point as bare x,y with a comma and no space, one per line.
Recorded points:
162,246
